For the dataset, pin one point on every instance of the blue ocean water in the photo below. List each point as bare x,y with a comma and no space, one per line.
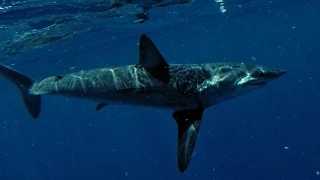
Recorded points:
269,134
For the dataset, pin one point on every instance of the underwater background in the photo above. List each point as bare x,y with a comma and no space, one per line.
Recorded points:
269,134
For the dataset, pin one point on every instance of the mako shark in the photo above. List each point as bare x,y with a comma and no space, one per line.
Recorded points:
186,89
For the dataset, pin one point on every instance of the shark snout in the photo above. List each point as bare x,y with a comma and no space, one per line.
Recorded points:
270,73
275,73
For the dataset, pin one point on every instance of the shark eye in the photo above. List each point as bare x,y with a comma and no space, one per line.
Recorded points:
262,74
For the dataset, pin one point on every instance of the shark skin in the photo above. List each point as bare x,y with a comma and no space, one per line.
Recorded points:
185,89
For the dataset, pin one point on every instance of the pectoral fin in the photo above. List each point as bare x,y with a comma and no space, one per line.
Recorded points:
188,126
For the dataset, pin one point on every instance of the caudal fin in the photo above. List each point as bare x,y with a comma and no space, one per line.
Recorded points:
21,81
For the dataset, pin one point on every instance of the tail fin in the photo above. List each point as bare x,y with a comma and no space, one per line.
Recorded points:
24,83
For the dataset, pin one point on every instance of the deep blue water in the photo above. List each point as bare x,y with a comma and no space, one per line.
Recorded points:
269,134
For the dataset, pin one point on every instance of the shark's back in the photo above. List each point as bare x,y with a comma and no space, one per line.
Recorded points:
95,81
184,78
129,85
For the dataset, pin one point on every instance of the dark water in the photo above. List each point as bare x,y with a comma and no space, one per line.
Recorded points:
270,134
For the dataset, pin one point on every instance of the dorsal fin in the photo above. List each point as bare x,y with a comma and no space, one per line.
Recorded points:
151,59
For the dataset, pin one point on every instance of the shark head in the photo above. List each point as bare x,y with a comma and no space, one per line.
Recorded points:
255,77
230,80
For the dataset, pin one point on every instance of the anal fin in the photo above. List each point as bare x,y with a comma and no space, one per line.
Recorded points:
100,106
188,127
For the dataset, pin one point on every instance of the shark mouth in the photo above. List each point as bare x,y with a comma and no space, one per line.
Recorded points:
258,83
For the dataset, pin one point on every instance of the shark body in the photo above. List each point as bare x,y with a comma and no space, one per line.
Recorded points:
186,89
